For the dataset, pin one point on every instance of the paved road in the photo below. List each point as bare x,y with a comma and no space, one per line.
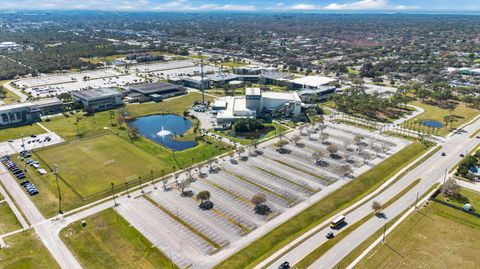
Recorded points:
44,228
431,171
23,97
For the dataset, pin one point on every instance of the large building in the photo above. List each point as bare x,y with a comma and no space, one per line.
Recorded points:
255,102
19,114
97,99
310,82
152,92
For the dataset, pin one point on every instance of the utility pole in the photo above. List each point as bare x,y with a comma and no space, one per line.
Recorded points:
25,161
445,176
416,203
384,231
113,194
58,189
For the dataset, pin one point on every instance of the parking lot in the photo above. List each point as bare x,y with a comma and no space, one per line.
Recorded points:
285,176
31,143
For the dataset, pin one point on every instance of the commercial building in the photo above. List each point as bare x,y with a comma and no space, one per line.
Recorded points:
191,82
313,95
19,114
253,70
50,106
153,92
310,82
220,79
97,99
255,102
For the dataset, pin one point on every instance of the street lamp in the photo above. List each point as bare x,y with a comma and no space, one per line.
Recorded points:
58,189
25,161
153,183
113,194
126,188
141,187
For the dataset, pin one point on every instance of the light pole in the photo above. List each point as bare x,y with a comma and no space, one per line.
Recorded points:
58,189
126,188
23,147
141,187
153,183
113,194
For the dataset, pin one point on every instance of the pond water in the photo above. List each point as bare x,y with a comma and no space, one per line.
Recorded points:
162,129
432,123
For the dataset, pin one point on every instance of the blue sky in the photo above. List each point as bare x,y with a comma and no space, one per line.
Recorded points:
247,5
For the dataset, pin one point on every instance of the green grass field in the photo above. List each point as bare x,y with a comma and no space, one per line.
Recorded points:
232,64
16,132
91,164
436,237
109,241
472,197
278,129
251,255
10,97
463,112
26,251
8,221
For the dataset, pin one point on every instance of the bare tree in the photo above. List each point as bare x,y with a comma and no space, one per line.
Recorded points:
183,185
324,137
295,139
322,127
258,198
333,149
451,188
346,170
358,139
376,206
317,155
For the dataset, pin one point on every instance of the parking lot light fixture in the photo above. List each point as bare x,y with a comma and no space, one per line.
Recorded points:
126,188
153,183
141,187
113,194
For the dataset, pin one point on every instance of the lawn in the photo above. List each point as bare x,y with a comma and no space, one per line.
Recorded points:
8,221
279,128
26,251
466,195
16,132
232,64
10,97
436,237
345,196
463,113
91,164
109,241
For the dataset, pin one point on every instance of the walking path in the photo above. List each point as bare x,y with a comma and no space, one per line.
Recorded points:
44,228
23,97
468,185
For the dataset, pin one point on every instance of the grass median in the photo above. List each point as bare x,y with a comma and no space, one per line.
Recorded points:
109,241
345,196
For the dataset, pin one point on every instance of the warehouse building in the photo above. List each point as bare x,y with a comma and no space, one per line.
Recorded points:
310,82
97,99
152,92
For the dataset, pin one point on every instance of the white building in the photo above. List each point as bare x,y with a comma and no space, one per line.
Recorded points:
310,82
98,99
19,114
255,102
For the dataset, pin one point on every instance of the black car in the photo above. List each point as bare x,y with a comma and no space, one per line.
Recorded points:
285,265
330,235
25,183
444,154
462,155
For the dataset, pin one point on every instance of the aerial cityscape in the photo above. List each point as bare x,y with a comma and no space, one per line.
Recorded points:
218,134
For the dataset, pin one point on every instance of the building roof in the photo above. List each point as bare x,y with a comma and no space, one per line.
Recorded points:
291,96
95,93
151,88
313,81
48,102
319,90
222,76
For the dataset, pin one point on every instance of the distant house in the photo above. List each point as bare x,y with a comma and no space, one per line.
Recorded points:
97,99
19,114
153,92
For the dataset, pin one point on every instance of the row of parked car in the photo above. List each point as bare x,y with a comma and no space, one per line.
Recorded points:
29,187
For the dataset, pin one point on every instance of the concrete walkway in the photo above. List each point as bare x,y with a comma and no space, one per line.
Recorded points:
45,229
468,185
23,97
14,209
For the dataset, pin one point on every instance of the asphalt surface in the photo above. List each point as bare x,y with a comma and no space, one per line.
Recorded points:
431,171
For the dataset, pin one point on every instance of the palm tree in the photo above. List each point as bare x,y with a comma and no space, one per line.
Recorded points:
77,122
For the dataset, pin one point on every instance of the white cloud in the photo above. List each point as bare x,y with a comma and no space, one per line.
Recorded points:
183,5
402,7
358,5
305,7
